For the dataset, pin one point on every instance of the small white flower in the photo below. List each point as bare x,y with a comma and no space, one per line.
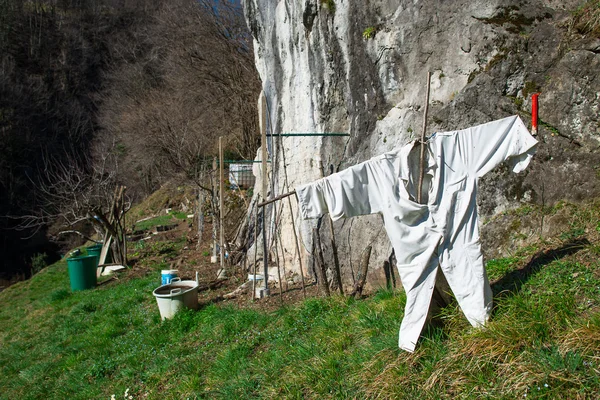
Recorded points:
113,397
546,385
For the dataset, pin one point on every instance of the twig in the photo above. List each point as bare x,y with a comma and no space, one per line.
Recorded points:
281,196
78,233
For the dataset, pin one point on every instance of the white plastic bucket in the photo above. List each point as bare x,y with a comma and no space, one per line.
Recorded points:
167,275
175,296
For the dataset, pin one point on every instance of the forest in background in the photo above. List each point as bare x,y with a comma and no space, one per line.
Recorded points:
95,94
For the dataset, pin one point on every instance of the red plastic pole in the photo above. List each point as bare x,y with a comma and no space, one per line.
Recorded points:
534,113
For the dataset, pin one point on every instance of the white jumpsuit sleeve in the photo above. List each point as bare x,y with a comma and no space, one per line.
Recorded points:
485,146
348,193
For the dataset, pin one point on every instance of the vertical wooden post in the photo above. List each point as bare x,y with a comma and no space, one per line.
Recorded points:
200,212
214,206
321,270
262,119
255,251
277,262
297,248
221,203
122,225
422,155
336,261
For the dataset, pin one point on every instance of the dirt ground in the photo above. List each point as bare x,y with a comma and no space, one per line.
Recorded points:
191,258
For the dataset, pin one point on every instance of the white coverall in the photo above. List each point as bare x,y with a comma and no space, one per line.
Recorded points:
444,230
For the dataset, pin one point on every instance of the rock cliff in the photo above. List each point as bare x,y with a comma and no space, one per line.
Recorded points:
360,68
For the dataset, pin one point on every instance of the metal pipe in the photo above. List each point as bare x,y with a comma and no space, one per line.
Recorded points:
307,134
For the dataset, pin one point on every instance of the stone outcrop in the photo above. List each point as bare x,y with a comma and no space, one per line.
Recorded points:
360,68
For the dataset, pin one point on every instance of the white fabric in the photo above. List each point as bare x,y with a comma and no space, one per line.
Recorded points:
444,231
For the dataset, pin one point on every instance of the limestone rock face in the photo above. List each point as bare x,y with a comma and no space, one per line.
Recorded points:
360,67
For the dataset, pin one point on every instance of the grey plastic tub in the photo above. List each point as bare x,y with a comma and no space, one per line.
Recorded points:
175,296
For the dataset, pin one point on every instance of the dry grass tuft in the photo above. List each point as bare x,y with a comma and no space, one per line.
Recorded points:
386,372
586,20
585,339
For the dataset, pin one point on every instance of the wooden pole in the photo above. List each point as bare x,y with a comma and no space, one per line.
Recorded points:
297,248
122,224
214,206
336,261
274,199
200,211
262,119
278,270
282,256
293,223
255,252
422,155
321,270
221,204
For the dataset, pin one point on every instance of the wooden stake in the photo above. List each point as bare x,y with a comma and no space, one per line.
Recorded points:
321,271
282,257
274,199
122,225
255,251
336,261
214,207
297,249
262,119
422,155
200,211
278,270
286,184
221,204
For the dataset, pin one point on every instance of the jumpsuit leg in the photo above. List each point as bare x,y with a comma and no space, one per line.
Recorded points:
468,280
418,281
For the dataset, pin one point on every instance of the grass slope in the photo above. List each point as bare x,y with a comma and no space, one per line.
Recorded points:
543,341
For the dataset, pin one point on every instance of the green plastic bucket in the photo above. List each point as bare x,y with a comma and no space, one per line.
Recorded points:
95,250
82,272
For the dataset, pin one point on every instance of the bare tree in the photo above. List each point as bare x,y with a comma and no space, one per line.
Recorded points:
196,81
78,192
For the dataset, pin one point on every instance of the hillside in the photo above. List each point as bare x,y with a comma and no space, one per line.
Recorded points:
543,340
343,81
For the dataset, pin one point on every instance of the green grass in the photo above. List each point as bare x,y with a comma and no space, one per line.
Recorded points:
543,342
166,219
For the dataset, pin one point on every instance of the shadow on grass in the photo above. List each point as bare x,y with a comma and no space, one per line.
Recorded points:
513,281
